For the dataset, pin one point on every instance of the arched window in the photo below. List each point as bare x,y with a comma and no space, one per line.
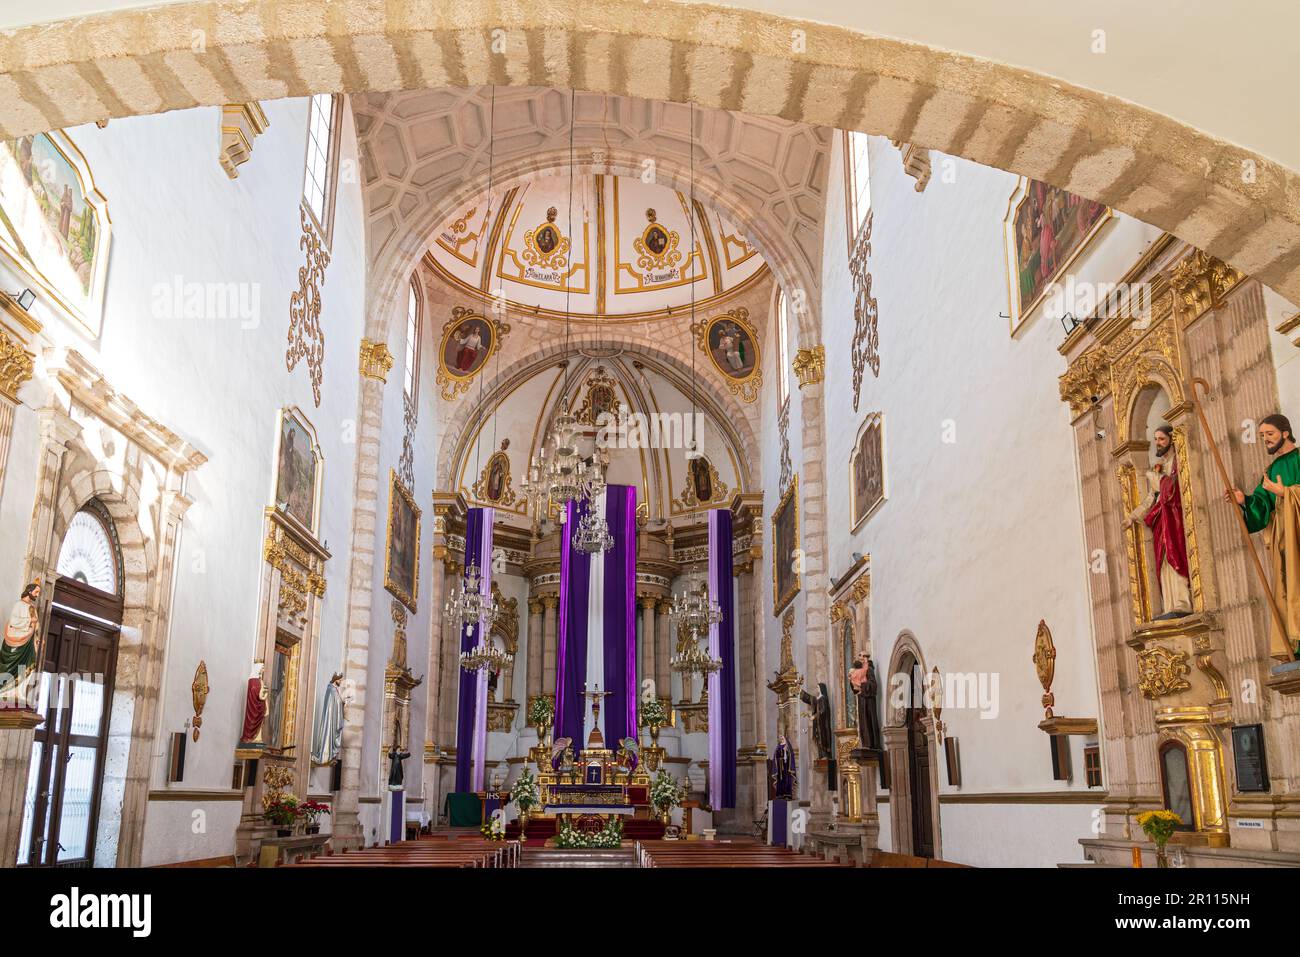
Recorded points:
783,346
322,160
412,371
857,184
89,553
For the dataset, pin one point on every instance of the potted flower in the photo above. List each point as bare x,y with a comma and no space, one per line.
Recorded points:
494,828
524,794
654,717
282,811
665,794
311,810
1159,826
541,712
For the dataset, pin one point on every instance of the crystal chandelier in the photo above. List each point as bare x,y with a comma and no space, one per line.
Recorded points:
592,534
695,613
468,607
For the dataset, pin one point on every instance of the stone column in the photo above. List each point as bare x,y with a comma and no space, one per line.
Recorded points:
550,635
646,669
663,649
356,652
751,782
810,366
535,641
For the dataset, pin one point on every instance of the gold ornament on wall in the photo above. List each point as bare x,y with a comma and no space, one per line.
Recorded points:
306,337
199,695
16,365
545,246
810,365
656,247
704,486
376,360
601,398
1045,665
1162,672
730,341
494,482
468,340
865,351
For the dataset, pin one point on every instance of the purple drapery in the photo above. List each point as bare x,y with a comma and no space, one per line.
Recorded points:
478,532
722,683
620,615
575,576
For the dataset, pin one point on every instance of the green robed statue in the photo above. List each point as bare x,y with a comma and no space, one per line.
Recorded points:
1274,508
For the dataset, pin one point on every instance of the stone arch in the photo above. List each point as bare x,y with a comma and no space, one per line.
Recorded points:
907,650
1149,165
724,409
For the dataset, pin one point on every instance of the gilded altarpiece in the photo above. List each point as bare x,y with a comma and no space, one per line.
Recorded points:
1178,315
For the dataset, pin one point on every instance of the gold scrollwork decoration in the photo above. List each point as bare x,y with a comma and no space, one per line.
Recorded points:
545,246
1162,672
810,365
1045,664
199,696
306,337
494,483
656,247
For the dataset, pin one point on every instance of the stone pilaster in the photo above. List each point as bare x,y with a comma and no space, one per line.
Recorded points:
646,667
535,642
550,635
663,649
361,576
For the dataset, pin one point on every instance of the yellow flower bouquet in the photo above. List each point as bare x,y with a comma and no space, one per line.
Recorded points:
1159,826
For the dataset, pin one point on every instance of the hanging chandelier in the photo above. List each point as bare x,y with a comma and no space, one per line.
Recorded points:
695,613
467,607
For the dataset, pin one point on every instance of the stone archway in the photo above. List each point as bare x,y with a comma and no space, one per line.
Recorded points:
907,669
1146,164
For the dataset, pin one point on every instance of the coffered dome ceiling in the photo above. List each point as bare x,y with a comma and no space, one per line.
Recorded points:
620,248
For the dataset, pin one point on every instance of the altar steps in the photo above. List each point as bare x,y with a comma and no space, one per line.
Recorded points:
551,857
543,829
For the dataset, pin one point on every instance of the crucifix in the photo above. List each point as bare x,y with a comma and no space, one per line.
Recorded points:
595,697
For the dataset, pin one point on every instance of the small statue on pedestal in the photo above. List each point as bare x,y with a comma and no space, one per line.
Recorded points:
18,653
866,688
254,708
782,772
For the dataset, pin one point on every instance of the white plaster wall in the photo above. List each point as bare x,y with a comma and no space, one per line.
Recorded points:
1016,835
981,536
217,382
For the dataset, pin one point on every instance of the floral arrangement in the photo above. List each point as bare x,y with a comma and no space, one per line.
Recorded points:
312,810
665,792
282,811
524,793
653,713
611,835
1159,826
494,828
540,711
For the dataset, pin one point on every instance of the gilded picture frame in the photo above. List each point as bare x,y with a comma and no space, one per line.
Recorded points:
34,230
402,544
730,341
866,494
474,338
1022,229
786,582
290,482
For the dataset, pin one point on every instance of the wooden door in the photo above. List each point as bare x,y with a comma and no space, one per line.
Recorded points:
918,754
68,749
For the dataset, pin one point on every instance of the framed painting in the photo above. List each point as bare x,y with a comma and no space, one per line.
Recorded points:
54,224
731,343
402,550
297,470
1044,231
468,341
867,470
786,581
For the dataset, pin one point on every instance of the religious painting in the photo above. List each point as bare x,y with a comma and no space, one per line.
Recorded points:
1045,229
701,481
731,343
704,486
867,470
786,580
54,224
297,469
600,399
402,552
468,341
494,485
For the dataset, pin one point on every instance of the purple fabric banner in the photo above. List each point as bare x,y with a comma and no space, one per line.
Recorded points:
620,615
571,651
472,712
722,683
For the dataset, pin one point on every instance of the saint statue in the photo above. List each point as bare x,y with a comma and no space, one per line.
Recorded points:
18,653
327,736
396,776
823,735
1162,512
1274,508
254,707
782,771
866,687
